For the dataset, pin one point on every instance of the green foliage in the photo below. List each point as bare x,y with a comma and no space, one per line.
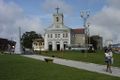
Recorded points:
28,37
15,67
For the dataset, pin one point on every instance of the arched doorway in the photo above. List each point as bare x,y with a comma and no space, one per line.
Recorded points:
50,46
65,45
58,46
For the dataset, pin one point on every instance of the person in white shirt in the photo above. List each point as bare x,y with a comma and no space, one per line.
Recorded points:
108,60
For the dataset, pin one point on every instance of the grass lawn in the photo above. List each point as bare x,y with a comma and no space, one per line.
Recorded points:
15,67
97,57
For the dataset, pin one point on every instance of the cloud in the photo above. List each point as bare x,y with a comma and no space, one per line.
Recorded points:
114,3
31,23
12,17
9,13
64,7
107,21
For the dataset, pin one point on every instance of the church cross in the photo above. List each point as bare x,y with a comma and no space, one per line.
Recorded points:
57,9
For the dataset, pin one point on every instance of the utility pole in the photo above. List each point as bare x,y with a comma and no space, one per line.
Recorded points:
85,15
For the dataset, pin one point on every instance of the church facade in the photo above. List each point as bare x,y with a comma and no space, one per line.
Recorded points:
58,36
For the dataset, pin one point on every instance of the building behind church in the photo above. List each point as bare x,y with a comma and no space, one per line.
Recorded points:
78,37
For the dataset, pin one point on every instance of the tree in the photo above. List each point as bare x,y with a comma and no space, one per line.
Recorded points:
28,37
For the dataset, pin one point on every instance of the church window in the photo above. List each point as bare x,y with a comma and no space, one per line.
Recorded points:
63,35
48,35
66,34
55,35
58,35
57,19
51,35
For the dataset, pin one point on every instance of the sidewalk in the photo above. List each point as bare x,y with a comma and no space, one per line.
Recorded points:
80,65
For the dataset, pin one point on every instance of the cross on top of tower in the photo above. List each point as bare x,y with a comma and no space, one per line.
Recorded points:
57,9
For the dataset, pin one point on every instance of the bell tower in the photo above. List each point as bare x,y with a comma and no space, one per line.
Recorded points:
58,18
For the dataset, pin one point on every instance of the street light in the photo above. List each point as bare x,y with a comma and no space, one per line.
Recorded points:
88,32
85,15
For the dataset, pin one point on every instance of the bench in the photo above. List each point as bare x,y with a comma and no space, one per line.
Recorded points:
48,60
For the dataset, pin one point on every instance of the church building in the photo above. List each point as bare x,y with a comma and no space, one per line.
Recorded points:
58,36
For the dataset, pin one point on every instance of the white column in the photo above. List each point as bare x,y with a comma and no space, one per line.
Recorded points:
61,45
54,46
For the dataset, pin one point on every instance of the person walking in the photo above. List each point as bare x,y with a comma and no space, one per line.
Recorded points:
111,54
108,60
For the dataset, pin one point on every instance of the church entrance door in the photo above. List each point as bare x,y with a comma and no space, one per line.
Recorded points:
65,45
50,46
58,46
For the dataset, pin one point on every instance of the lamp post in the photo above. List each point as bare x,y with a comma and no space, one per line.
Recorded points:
85,15
88,31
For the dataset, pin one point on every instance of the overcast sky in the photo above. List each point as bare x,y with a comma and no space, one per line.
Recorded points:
36,15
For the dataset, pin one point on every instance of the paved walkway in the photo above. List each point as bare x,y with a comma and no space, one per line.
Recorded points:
80,65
